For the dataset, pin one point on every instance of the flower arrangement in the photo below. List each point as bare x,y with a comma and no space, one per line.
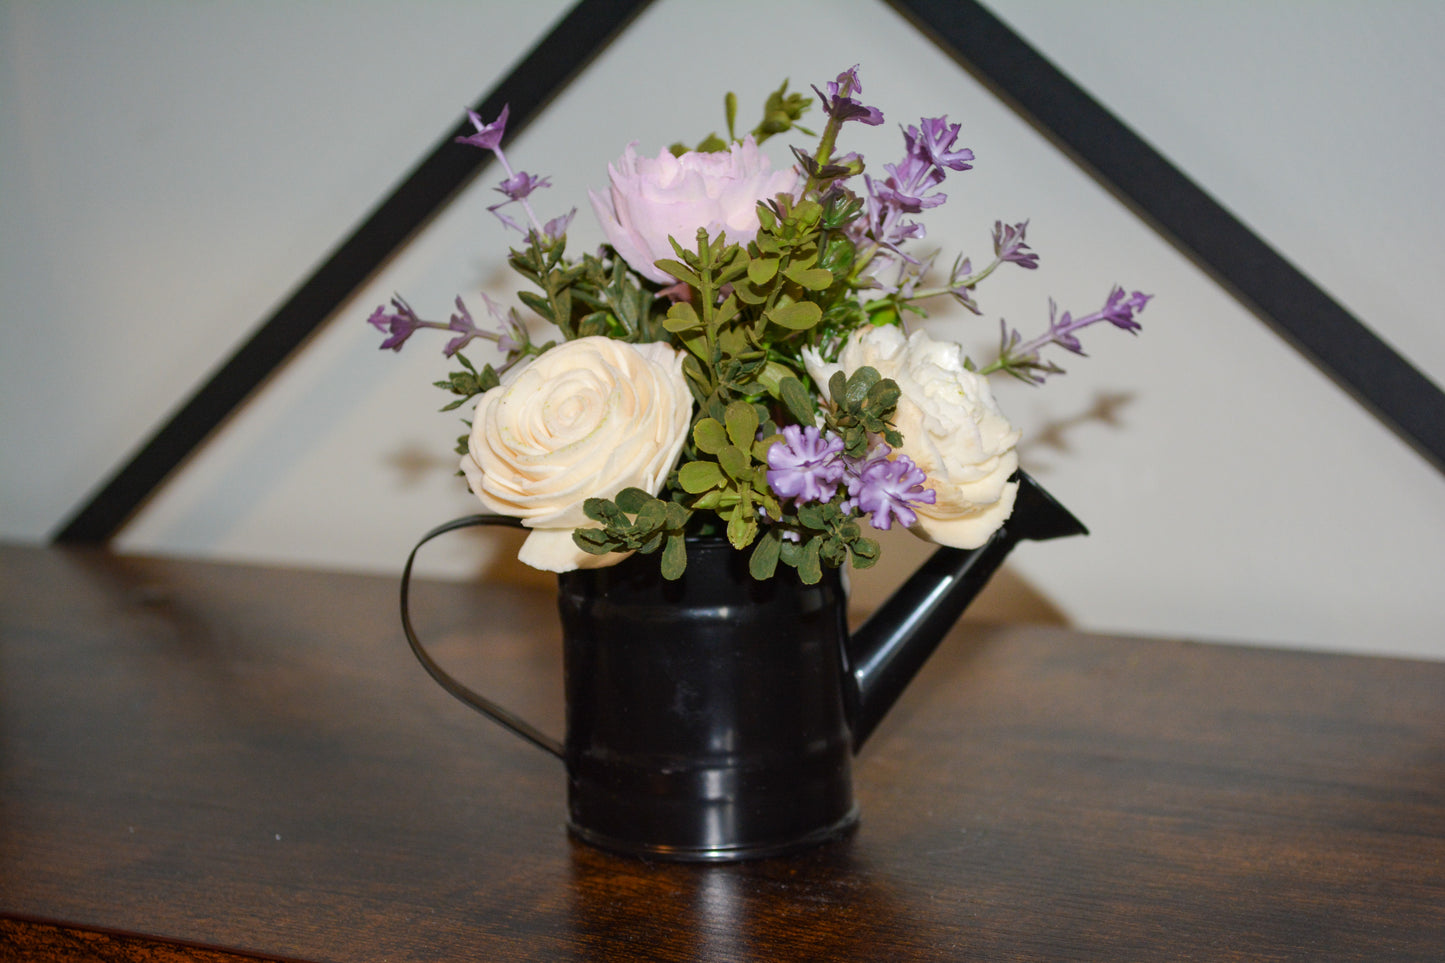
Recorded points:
736,359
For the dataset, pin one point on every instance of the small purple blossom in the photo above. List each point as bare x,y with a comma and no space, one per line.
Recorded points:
521,184
1009,246
908,184
518,187
508,323
488,136
557,226
1119,310
845,166
840,106
928,152
806,465
886,487
399,324
934,138
885,223
465,328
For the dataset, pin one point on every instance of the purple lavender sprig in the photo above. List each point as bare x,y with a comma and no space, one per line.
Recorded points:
398,324
934,138
1021,358
911,185
1008,248
893,202
518,185
402,322
841,106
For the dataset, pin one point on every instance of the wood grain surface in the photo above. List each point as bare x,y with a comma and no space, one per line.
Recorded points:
201,758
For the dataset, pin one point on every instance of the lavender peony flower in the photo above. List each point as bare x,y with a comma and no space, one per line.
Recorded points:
652,199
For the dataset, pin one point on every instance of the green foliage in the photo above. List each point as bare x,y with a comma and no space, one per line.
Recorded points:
781,112
728,475
468,383
636,522
814,536
862,405
585,297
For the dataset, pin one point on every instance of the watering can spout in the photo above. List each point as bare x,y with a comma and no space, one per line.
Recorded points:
888,650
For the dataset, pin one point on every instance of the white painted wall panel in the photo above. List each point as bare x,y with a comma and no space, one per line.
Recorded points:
1233,492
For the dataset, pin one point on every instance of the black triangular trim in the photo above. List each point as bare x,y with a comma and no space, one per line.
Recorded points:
1277,292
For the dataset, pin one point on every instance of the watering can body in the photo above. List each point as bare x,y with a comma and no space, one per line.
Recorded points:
705,717
716,717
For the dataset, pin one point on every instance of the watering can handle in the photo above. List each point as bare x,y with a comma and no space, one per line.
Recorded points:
482,704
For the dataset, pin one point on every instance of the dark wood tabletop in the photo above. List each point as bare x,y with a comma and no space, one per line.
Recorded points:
203,761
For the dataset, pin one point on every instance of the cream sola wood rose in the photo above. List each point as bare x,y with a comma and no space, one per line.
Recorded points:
952,429
651,199
585,419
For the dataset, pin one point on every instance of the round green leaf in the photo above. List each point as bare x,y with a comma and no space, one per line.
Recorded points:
798,316
699,476
709,436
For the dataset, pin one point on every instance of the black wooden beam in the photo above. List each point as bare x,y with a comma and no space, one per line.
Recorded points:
578,37
1361,363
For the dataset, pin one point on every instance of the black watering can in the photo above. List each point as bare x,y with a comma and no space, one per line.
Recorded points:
715,717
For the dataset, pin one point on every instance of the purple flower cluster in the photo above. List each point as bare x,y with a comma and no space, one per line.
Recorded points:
808,465
518,185
887,488
910,187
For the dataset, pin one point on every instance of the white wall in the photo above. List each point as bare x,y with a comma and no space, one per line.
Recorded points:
168,172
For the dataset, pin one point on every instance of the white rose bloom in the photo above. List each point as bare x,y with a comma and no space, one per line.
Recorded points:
952,429
585,419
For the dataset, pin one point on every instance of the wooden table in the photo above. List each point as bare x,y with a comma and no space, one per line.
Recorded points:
203,761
